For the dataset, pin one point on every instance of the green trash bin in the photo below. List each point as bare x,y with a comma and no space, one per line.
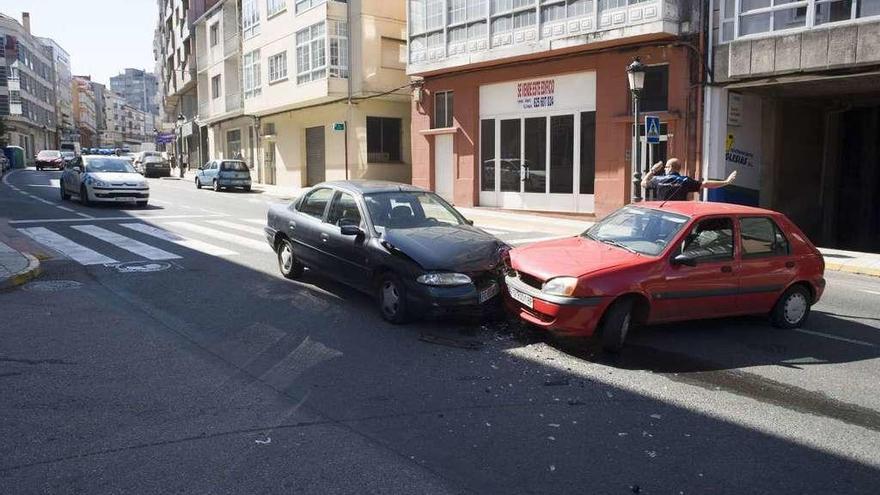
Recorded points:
15,155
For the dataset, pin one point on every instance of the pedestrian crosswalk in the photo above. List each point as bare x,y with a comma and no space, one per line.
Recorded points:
110,241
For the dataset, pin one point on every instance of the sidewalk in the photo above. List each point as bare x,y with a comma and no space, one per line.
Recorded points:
16,267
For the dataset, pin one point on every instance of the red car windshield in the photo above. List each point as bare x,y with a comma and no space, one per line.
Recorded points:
640,230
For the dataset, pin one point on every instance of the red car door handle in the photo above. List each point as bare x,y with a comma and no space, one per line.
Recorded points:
726,269
789,264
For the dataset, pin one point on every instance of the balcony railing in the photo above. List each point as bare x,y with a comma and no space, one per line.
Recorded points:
231,45
233,102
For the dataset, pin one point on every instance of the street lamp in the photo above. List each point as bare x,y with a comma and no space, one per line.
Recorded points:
180,121
636,74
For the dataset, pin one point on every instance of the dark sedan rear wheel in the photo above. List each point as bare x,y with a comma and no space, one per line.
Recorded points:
616,324
392,299
792,309
287,263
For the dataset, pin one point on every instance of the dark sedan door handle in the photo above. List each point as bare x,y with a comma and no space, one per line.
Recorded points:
789,264
291,225
726,269
325,237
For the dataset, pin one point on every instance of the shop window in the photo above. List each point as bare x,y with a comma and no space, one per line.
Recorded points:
233,144
509,161
487,155
588,152
655,95
443,106
535,164
383,139
562,154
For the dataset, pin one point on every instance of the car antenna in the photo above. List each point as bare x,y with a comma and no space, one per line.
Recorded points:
671,195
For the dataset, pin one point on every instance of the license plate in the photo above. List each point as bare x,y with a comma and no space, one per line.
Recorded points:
124,199
489,292
521,297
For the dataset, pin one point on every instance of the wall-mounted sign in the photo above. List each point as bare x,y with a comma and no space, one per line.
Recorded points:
734,108
536,94
652,129
339,126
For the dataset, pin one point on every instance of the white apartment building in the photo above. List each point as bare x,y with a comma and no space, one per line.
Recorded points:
65,129
324,89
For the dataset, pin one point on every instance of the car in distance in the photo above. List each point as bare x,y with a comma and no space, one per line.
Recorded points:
666,262
153,165
49,159
406,246
96,178
68,156
224,174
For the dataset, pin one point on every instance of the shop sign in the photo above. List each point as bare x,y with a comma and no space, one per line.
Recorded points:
734,108
536,94
737,156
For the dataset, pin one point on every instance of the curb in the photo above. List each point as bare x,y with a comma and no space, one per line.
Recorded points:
857,270
29,273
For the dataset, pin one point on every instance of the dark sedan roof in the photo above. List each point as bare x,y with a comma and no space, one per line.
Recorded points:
370,186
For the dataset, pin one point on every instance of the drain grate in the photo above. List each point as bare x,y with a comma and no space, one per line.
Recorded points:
52,286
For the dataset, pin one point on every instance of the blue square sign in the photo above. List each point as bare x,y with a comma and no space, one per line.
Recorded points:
652,129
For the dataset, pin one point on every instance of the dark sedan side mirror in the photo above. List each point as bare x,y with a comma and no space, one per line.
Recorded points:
684,259
350,230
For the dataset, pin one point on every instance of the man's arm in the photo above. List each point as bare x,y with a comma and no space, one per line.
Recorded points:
646,181
715,184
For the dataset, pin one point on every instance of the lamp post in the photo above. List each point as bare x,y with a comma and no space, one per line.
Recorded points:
180,121
636,75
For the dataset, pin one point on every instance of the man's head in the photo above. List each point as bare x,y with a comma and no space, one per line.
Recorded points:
673,166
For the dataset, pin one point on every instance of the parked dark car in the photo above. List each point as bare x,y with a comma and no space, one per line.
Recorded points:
155,166
49,159
405,245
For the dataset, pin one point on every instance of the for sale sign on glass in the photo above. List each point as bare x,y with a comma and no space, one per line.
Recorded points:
536,94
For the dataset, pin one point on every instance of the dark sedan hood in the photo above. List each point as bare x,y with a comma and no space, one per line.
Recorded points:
461,248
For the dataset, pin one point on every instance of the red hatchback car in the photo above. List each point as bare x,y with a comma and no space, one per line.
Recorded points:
656,263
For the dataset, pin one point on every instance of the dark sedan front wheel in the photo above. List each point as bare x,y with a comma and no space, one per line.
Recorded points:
287,263
392,299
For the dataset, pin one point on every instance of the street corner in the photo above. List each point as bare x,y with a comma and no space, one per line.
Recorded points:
21,267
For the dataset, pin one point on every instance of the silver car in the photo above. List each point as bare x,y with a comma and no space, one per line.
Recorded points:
104,179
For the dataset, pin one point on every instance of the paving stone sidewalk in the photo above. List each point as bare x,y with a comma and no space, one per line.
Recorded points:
16,267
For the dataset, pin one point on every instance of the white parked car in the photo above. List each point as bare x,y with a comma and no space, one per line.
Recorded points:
104,179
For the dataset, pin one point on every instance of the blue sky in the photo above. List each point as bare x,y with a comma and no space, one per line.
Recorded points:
102,36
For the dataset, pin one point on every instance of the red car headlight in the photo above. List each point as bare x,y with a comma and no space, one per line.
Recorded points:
560,286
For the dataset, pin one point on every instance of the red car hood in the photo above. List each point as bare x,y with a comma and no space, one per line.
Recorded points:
573,257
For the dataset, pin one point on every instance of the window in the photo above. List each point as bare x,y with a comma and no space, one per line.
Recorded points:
383,139
233,144
311,62
275,7
655,96
337,36
562,154
303,5
466,10
762,237
443,108
278,67
251,68
215,34
250,18
764,16
316,202
215,87
487,155
710,240
344,211
588,152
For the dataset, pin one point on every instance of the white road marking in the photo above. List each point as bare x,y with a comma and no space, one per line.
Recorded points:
235,239
179,240
235,226
536,239
65,246
127,243
65,208
258,221
874,292
41,200
494,231
161,201
104,219
835,337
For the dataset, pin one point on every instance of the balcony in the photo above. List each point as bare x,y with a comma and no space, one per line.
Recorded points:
533,29
231,45
233,102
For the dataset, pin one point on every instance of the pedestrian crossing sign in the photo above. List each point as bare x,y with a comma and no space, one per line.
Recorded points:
652,129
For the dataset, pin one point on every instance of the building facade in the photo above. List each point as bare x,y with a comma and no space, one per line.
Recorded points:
139,88
27,87
796,111
174,48
323,89
524,104
64,125
84,111
114,114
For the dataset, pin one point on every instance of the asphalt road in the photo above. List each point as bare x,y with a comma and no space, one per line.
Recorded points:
164,354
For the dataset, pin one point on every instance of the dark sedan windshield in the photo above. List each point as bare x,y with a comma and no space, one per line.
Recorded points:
409,210
109,165
640,230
